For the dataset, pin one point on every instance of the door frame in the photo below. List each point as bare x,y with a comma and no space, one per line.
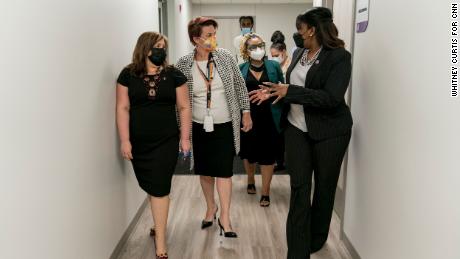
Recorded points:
163,17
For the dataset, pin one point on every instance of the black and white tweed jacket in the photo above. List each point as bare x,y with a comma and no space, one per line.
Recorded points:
234,85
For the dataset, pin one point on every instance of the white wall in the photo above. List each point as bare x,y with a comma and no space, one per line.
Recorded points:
64,191
403,179
343,19
268,17
178,28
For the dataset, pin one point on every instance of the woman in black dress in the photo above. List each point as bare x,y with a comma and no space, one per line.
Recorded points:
148,92
261,144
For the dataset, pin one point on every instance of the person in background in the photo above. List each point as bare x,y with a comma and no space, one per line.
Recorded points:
279,53
246,26
260,145
317,126
220,103
148,91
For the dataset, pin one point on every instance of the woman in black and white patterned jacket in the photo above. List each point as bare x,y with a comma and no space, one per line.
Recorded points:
220,106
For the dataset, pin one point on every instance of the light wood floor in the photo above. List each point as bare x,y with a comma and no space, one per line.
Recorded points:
261,231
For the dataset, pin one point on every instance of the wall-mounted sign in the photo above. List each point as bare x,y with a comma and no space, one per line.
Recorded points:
362,15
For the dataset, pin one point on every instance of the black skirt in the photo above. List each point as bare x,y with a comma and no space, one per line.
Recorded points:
154,162
213,152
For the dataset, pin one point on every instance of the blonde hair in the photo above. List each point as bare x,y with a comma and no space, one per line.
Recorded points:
244,44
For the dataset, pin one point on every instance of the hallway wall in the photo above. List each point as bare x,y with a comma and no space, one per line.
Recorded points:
179,15
403,195
64,192
343,19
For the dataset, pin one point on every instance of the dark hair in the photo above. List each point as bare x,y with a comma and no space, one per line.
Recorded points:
277,40
326,31
144,44
195,26
247,18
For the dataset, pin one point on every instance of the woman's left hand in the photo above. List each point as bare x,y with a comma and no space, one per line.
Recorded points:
279,90
247,122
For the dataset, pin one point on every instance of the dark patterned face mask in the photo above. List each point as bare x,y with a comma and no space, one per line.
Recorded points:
158,56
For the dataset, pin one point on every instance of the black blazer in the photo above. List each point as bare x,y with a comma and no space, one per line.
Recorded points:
326,113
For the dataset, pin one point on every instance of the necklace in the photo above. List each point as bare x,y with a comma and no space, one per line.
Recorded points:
305,61
151,84
257,69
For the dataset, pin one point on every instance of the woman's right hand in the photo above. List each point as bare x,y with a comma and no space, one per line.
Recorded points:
185,148
126,150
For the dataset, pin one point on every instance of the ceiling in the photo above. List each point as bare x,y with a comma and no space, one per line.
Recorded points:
252,1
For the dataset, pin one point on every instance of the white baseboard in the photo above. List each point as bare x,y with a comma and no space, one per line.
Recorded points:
117,251
349,246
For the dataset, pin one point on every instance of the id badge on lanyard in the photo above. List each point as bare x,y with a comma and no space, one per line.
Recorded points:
208,124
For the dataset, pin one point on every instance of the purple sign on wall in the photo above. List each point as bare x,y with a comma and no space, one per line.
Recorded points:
362,15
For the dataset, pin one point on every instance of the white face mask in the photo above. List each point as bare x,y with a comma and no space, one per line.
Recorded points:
257,54
277,59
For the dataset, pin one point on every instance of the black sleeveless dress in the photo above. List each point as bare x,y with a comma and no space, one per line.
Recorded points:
154,132
260,145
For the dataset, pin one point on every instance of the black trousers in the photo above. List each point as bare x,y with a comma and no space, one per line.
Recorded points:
281,151
308,222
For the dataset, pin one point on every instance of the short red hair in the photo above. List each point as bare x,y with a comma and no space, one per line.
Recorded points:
195,26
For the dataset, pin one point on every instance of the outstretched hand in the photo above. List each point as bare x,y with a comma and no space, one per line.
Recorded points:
268,90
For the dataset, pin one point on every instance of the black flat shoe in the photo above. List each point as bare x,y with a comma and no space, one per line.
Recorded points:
265,201
316,245
207,224
229,234
251,189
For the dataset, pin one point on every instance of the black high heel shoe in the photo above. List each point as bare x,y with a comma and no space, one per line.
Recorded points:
229,234
207,224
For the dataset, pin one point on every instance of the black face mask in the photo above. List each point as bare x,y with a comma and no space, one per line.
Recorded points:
158,56
298,40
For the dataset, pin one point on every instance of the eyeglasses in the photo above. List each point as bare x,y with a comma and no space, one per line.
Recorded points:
254,47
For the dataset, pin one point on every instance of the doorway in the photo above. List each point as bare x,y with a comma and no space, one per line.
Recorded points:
163,16
229,28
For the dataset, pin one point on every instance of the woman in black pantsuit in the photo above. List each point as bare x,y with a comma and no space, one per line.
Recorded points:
148,92
317,127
